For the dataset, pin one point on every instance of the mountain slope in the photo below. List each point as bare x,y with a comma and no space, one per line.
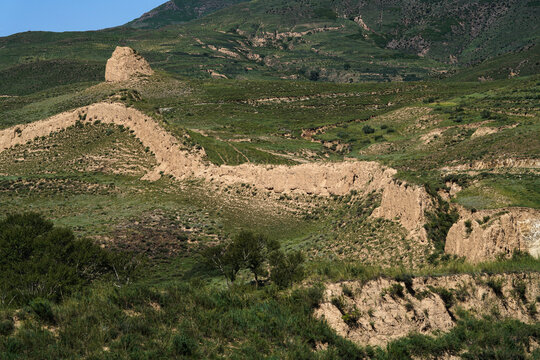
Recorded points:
318,40
178,11
451,31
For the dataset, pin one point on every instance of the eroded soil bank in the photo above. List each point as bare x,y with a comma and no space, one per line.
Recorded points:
383,310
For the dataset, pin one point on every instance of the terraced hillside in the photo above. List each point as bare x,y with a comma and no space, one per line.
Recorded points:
206,210
97,155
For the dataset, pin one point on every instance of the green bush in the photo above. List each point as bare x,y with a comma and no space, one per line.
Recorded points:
38,260
520,290
446,295
183,345
6,327
43,309
439,221
396,290
255,253
407,279
368,129
286,268
532,310
496,286
468,227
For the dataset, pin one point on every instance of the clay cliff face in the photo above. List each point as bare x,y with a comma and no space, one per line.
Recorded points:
487,234
374,313
125,64
407,204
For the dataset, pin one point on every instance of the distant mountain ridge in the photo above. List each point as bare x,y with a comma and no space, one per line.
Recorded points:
446,30
319,40
178,11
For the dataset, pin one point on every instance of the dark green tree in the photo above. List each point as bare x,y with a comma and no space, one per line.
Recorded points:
39,260
286,268
257,254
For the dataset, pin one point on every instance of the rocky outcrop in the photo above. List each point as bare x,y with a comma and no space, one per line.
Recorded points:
383,310
125,64
486,234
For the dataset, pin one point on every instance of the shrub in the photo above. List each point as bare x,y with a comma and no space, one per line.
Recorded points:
38,260
368,129
496,286
446,296
255,253
407,280
439,223
351,319
339,303
246,251
6,327
468,227
520,290
286,268
43,309
532,310
183,345
347,291
310,297
396,290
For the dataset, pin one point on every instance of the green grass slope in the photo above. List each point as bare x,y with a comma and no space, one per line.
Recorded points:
315,40
178,11
40,75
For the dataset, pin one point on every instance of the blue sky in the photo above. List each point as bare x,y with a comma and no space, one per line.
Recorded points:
69,15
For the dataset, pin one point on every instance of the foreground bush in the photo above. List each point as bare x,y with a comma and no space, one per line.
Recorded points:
39,260
249,251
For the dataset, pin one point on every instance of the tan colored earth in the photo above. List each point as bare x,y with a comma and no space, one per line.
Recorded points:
125,64
373,314
486,234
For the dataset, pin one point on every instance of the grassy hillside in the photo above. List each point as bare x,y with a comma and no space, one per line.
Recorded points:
118,267
40,75
316,40
163,300
179,11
